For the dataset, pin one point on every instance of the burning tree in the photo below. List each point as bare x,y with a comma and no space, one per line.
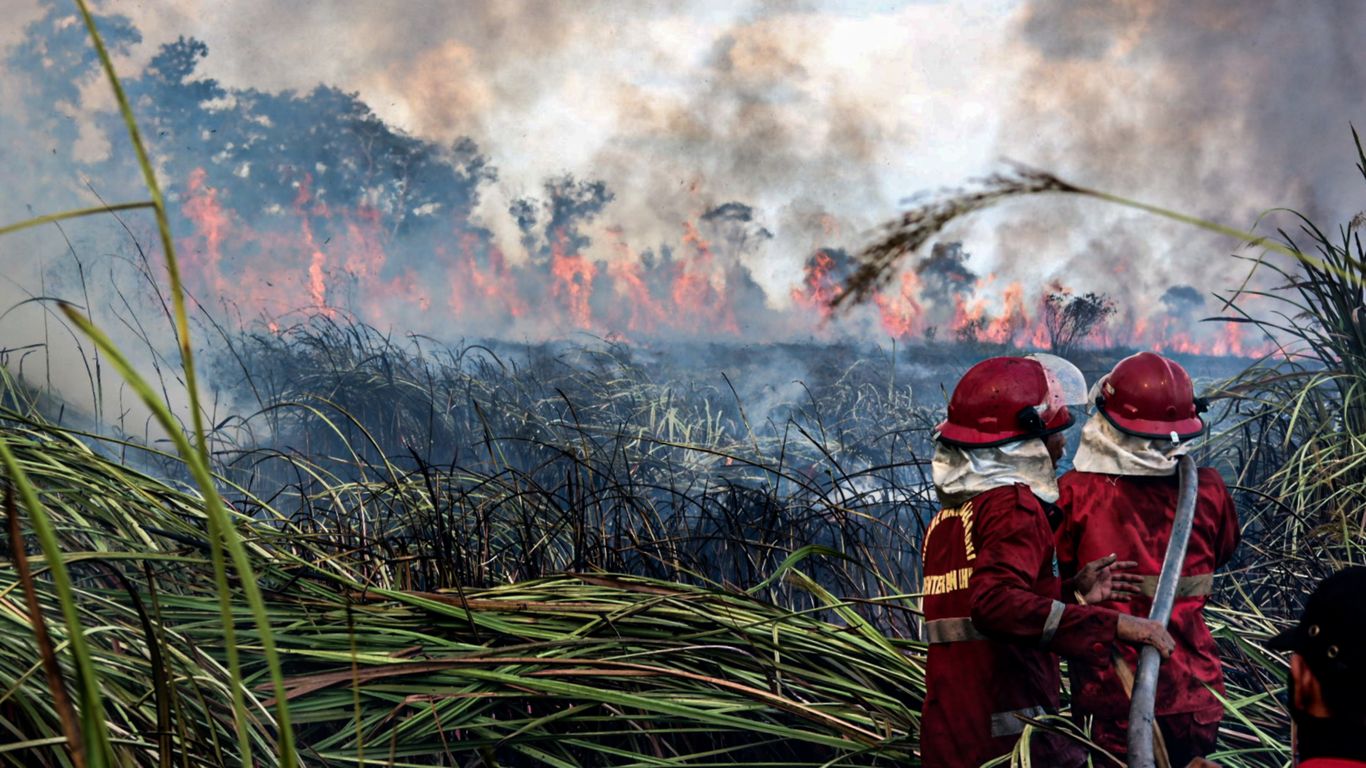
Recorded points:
1070,319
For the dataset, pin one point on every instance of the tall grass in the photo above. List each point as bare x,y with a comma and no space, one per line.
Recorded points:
476,469
344,586
224,541
570,670
1317,389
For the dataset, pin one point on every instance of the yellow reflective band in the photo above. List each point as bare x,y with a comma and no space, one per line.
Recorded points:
1186,586
944,583
964,515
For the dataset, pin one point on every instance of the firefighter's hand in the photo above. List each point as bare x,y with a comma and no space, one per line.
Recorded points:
1201,762
1106,579
1138,631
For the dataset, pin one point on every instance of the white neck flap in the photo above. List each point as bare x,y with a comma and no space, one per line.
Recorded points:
961,473
1106,450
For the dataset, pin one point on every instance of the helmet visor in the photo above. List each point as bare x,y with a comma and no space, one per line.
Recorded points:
1066,382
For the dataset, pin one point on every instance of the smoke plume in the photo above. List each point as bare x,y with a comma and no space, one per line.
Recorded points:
657,171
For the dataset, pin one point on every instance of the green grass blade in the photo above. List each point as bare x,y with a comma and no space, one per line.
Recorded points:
95,731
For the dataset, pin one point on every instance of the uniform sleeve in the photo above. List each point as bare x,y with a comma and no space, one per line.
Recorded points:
1230,533
1013,544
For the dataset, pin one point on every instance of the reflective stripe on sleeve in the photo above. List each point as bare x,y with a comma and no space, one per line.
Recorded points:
1186,586
1010,724
942,631
1050,626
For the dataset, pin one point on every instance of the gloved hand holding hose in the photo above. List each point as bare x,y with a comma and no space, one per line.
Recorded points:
1138,631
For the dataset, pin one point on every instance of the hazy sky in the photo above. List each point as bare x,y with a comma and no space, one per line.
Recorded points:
833,111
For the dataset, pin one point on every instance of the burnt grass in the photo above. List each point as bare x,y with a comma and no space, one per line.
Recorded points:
704,463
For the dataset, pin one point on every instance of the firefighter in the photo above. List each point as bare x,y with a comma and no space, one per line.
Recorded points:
1121,497
995,610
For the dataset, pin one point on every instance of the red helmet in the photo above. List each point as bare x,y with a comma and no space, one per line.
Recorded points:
1148,395
1001,400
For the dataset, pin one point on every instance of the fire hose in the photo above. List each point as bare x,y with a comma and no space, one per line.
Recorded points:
1142,721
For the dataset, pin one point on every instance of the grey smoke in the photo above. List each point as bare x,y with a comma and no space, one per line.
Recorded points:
1222,109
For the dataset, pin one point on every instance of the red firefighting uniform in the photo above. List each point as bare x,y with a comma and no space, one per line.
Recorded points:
993,619
1132,517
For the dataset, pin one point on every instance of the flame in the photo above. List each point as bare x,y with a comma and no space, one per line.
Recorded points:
1039,338
1003,328
818,287
317,285
699,289
211,224
317,260
645,314
488,291
573,281
1230,341
968,318
901,312
327,258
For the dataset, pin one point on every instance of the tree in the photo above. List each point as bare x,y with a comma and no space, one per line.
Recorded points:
569,205
1072,319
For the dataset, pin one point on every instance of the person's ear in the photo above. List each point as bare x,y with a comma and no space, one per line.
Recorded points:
1305,690
1057,446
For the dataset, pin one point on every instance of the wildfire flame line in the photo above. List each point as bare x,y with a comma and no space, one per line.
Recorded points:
285,267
